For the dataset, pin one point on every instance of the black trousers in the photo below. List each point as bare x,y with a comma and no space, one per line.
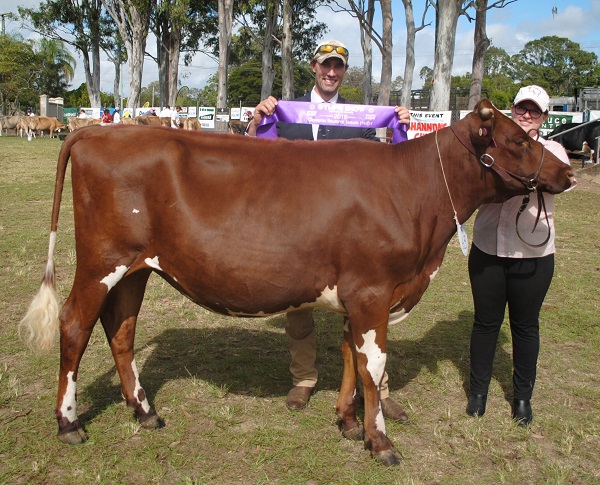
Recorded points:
522,283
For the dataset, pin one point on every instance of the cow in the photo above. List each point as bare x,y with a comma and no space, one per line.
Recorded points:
76,123
41,124
191,124
12,123
152,120
237,127
576,135
255,227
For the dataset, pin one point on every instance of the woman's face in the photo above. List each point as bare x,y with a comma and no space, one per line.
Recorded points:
528,116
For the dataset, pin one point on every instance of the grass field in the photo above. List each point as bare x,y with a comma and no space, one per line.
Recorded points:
220,383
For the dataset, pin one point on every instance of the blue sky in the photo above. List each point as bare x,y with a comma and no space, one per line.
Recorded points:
509,28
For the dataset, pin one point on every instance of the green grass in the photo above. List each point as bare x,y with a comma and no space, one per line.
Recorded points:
220,383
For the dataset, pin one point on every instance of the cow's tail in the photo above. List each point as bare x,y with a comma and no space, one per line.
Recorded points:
40,326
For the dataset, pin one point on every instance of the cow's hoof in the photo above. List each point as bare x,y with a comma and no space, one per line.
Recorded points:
388,457
152,421
75,437
354,434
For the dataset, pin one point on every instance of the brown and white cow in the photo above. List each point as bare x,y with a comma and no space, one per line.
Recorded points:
253,227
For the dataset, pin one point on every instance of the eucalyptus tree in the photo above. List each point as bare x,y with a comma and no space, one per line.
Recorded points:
76,23
132,18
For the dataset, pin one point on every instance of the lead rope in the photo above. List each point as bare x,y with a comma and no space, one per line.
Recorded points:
541,205
463,239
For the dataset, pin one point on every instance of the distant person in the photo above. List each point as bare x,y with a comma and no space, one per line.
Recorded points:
507,272
106,117
82,114
117,116
152,112
175,122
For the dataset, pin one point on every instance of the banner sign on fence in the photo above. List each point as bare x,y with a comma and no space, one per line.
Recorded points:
424,122
333,114
207,117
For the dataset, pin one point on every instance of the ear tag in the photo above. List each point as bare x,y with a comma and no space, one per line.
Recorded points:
482,131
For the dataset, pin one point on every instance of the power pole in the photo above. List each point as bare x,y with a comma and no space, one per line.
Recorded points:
4,15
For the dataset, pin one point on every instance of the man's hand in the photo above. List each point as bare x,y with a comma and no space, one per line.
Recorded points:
403,114
264,108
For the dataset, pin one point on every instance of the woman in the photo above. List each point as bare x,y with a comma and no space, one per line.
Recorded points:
503,270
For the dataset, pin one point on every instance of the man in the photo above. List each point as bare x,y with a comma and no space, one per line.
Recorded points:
117,116
329,63
175,123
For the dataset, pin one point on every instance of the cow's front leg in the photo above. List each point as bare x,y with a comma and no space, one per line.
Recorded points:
371,357
346,405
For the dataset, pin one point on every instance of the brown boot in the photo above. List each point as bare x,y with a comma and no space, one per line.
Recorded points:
297,398
392,410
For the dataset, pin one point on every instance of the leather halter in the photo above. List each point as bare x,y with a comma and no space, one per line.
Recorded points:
529,182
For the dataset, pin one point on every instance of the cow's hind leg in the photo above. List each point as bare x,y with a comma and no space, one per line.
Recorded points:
77,319
119,319
346,405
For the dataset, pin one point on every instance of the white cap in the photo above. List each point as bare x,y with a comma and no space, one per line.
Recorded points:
533,93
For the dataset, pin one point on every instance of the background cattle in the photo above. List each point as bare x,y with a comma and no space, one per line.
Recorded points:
12,123
192,124
152,120
237,127
75,123
576,135
42,124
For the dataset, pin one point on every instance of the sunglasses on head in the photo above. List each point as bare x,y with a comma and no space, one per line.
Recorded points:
327,48
535,113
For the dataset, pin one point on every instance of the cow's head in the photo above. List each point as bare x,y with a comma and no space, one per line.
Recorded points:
520,162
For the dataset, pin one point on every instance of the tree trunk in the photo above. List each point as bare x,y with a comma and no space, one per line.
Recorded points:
367,47
409,67
268,70
482,43
225,25
448,12
133,24
287,61
174,47
385,85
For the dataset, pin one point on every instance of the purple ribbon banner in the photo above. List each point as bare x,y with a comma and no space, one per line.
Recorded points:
333,114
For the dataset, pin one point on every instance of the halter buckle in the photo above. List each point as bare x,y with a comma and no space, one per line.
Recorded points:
486,155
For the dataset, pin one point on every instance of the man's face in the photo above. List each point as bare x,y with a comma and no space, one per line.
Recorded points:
328,76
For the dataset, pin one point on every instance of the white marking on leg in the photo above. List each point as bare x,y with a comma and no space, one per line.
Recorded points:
68,408
138,387
375,366
434,274
153,263
135,211
379,420
116,276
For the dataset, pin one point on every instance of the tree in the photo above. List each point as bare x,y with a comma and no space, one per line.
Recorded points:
225,26
497,62
132,18
18,63
287,60
57,67
77,23
447,13
409,67
557,64
482,43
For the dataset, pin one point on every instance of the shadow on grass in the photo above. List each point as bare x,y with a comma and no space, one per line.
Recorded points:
255,362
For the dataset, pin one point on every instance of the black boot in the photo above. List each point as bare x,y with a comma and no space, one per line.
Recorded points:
522,413
476,404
